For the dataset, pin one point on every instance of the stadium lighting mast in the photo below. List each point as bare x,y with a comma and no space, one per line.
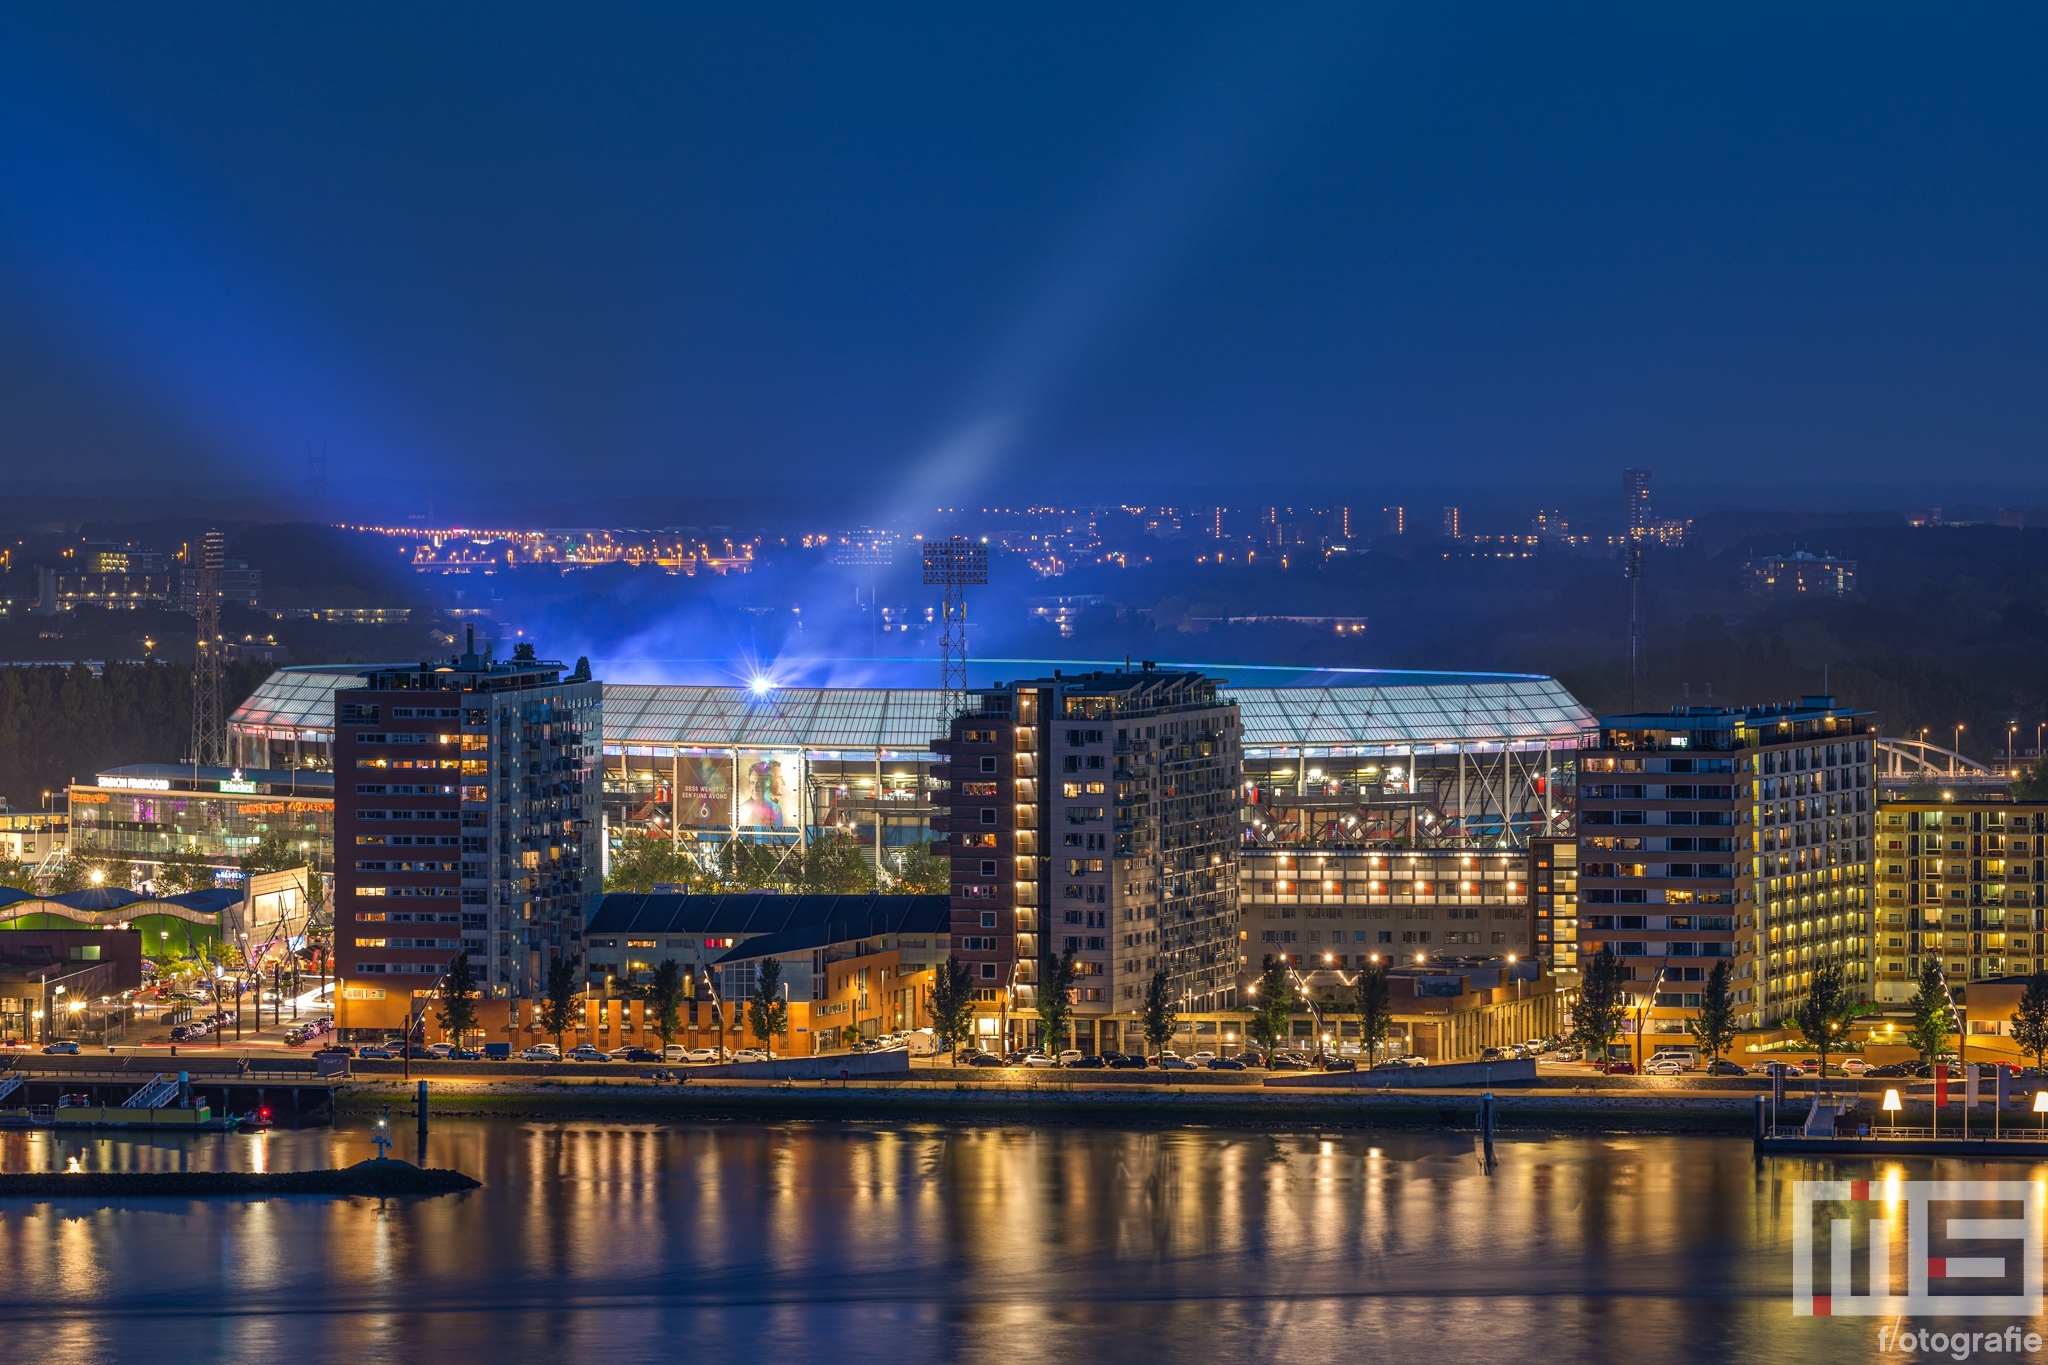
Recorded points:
954,565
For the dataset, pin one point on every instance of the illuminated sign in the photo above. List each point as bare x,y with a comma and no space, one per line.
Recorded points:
244,788
136,784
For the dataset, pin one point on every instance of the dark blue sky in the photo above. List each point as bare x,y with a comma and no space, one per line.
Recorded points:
941,250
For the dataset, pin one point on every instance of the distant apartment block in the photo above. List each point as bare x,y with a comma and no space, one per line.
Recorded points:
1800,575
1394,521
59,590
1635,498
1728,832
240,586
1959,882
1097,813
466,819
1451,524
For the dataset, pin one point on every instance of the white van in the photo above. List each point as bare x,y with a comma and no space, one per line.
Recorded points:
1687,1057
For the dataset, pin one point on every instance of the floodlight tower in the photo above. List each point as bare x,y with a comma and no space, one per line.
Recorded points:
954,565
208,741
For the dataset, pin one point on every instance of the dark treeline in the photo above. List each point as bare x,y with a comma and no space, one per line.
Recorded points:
63,722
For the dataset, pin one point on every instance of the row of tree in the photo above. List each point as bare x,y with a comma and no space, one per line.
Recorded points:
60,722
833,863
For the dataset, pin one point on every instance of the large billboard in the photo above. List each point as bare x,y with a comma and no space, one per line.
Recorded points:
770,791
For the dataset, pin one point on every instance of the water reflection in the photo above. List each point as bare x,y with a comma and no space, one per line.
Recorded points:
906,1244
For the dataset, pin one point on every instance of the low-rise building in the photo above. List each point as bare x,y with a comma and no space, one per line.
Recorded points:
1800,574
1389,902
1443,1011
145,812
54,982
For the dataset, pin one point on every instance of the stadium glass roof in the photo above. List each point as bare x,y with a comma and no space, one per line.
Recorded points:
1360,711
297,699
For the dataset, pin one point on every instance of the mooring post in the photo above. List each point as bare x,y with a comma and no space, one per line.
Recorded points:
1757,1126
421,1105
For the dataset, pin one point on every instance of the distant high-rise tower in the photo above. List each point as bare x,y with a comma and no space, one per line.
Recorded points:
1395,521
1269,527
209,746
1635,497
1451,523
1344,520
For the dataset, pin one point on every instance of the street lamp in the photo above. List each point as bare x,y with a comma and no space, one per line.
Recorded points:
1892,1107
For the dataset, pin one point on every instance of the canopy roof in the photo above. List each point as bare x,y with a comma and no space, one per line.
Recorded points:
1328,709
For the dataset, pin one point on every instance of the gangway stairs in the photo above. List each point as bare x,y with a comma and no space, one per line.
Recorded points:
158,1094
10,1084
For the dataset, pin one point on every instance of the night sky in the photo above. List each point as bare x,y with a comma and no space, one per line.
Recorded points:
952,252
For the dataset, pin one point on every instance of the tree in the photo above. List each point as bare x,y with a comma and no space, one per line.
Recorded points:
66,876
1374,997
182,871
458,1000
1272,1004
952,1003
1933,1020
1056,977
767,1011
666,996
272,853
105,869
920,872
558,1010
1826,1011
1597,1015
645,861
1159,1020
16,874
2030,1020
1714,1026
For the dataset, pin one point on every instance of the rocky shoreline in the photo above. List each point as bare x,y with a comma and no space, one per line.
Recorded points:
374,1178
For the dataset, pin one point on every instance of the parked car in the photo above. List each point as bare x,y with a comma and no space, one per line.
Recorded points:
463,1054
1088,1064
66,1049
1038,1059
1663,1066
983,1059
1289,1061
1169,1062
1126,1062
376,1054
1856,1066
1721,1066
702,1054
335,1050
1790,1069
541,1052
584,1052
750,1054
1340,1064
1069,1056
1889,1071
1496,1054
1230,1064
1202,1058
439,1049
1621,1068
636,1054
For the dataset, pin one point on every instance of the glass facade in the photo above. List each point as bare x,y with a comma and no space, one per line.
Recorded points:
146,826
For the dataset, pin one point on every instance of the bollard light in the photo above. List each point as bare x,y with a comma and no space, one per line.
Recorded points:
2041,1107
1892,1107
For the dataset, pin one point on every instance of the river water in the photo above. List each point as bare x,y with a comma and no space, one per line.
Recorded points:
613,1242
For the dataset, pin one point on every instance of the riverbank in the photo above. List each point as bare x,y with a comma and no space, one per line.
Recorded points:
1054,1105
